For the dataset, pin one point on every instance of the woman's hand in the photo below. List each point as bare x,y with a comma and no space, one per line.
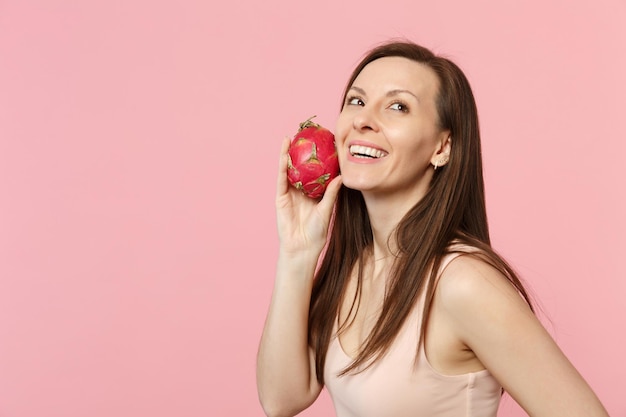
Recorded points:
302,221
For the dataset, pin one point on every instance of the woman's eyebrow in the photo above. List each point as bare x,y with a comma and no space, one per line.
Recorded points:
358,90
389,93
399,91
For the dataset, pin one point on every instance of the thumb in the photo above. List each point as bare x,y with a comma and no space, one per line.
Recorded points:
327,202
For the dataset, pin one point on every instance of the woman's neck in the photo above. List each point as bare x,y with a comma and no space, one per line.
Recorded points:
385,213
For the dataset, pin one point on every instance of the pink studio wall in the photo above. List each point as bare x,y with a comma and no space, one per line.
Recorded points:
138,144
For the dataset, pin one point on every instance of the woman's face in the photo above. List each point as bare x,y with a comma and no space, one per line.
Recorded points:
387,134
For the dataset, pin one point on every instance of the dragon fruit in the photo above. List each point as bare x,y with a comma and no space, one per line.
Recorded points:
312,159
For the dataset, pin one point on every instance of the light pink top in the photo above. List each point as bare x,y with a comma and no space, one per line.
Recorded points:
397,386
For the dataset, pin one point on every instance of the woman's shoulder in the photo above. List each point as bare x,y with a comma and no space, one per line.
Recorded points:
469,280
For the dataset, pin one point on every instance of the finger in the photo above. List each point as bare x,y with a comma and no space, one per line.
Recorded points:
282,185
327,202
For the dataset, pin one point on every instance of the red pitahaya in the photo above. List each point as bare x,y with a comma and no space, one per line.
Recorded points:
312,159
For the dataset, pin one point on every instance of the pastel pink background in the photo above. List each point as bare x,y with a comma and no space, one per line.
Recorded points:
138,147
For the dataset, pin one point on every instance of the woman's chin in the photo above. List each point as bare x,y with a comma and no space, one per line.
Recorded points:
359,184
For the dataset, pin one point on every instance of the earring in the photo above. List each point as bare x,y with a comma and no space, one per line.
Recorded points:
443,160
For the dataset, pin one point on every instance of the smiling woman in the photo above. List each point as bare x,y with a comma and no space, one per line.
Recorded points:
410,311
390,109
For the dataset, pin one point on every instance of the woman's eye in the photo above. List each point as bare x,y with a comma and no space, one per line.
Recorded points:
400,107
355,101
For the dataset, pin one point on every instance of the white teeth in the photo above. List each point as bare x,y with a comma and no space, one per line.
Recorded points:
364,152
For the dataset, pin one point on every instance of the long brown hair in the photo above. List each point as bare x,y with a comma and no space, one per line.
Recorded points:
453,209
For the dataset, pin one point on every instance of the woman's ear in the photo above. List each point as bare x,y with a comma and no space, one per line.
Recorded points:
442,153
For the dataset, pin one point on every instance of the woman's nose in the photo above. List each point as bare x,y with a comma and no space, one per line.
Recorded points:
365,120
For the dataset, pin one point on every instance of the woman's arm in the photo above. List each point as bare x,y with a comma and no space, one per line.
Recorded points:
492,319
286,378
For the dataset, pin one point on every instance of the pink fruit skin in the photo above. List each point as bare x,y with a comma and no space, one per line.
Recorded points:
313,159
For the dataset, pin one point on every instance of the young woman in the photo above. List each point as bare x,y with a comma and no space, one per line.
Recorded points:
409,312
